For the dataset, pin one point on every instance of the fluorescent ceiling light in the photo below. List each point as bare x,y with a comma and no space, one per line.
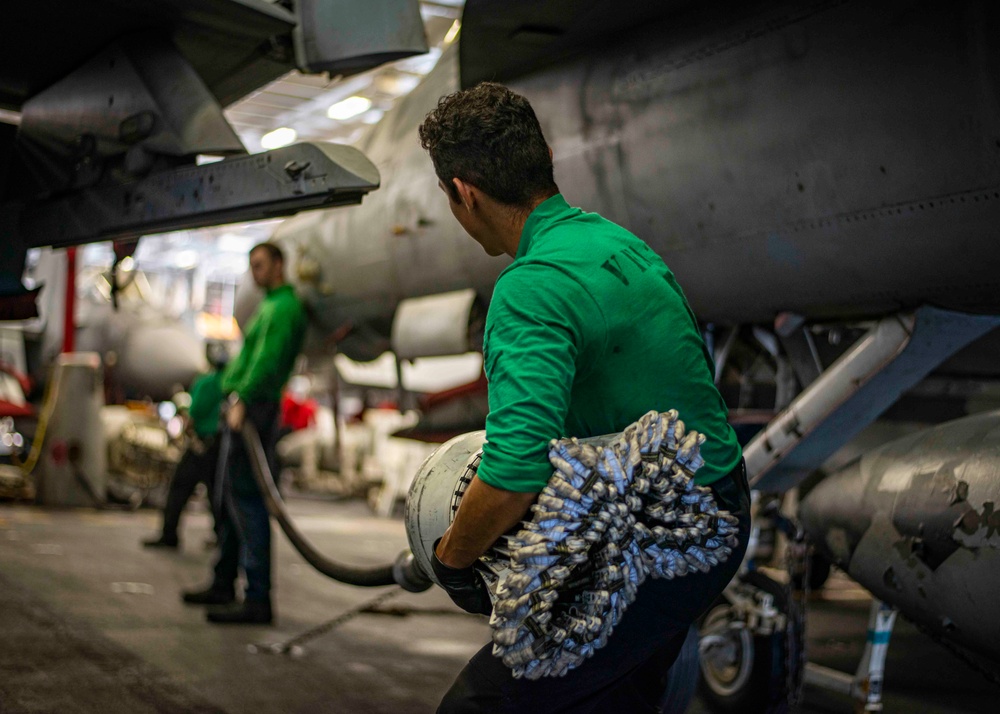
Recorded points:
350,107
278,138
186,259
453,32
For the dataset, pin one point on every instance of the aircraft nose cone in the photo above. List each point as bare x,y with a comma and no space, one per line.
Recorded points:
834,514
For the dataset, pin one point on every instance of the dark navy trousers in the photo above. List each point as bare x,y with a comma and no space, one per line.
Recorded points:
194,467
629,673
244,524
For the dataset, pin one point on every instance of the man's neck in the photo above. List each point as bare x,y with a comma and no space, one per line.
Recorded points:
509,223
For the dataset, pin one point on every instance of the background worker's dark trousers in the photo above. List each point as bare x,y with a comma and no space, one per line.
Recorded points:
244,524
192,469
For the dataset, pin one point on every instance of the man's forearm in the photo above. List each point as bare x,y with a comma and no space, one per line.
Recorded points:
485,514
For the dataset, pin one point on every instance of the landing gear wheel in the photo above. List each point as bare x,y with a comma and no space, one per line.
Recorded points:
727,661
742,671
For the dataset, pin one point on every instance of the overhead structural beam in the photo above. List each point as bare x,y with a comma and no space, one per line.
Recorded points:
242,188
892,357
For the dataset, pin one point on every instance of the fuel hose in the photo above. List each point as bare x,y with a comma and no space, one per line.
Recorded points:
403,572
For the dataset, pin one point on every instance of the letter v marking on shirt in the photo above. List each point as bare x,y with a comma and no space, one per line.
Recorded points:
612,266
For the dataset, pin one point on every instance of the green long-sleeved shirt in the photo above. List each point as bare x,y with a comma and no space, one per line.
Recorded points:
206,398
587,331
271,343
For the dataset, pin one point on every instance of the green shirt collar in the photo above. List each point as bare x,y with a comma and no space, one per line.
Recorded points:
548,211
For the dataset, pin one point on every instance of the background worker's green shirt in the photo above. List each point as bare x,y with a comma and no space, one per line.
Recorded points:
586,332
206,399
271,343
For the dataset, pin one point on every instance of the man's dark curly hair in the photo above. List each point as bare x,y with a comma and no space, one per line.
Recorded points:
489,136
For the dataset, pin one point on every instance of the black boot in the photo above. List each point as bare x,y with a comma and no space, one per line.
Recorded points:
161,542
246,613
212,595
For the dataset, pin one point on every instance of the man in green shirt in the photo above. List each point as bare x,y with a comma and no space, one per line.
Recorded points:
253,382
587,331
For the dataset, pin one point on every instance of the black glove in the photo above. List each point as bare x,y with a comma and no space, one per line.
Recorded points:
463,585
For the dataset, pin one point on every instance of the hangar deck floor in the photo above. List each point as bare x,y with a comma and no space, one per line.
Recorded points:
91,622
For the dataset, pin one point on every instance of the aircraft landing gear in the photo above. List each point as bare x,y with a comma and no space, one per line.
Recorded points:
750,648
865,687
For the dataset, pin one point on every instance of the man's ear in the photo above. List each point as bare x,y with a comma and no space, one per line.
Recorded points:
467,193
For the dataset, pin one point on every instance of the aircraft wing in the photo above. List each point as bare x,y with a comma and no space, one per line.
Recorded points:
227,42
106,105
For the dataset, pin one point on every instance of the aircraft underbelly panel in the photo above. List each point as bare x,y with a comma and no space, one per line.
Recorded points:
851,155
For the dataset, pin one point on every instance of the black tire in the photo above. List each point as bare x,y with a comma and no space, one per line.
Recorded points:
744,673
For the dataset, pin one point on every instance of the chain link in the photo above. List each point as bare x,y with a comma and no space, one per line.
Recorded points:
294,645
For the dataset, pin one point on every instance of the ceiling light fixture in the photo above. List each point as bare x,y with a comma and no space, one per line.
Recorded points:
350,107
282,136
453,32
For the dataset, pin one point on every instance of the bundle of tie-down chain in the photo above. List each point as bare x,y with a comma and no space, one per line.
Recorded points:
609,516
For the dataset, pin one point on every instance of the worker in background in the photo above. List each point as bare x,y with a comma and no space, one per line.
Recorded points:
587,330
198,463
252,384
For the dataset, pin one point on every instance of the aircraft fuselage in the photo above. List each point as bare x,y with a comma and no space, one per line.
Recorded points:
832,160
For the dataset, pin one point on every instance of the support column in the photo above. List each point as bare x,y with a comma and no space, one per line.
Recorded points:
69,310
